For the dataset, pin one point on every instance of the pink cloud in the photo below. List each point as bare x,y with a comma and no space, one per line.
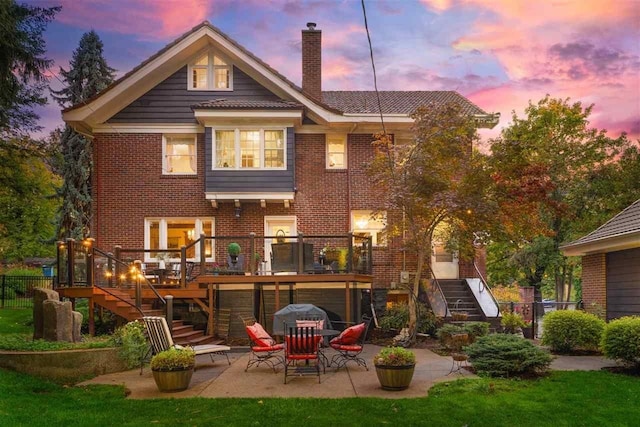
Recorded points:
149,19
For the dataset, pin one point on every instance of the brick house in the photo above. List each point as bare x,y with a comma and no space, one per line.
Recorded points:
204,138
611,265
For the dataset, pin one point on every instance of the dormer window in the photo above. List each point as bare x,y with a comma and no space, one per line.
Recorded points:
210,72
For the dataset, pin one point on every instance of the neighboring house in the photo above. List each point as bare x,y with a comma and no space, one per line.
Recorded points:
205,138
611,264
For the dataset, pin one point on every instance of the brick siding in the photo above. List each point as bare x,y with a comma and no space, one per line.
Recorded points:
594,282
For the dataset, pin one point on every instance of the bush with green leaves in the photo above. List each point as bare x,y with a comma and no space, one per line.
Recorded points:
132,340
473,329
174,359
506,355
397,317
621,340
570,330
512,322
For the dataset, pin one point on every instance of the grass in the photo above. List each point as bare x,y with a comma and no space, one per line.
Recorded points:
16,321
561,399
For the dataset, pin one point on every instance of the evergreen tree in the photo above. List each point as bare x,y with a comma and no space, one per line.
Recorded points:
88,75
22,67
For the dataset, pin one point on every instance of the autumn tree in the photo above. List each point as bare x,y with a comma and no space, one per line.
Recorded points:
540,165
88,74
434,180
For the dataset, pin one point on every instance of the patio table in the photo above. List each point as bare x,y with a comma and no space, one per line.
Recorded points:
293,312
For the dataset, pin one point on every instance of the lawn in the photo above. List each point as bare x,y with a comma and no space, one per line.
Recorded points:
16,321
561,399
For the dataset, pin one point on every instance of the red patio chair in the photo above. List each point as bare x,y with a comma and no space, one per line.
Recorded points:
301,344
263,348
349,344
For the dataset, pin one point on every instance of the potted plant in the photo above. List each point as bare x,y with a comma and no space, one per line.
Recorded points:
234,251
459,316
512,322
172,369
395,367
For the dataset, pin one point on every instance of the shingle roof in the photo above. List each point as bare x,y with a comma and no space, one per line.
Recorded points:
394,102
625,223
247,104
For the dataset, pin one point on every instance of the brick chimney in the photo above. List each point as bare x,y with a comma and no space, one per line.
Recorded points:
312,61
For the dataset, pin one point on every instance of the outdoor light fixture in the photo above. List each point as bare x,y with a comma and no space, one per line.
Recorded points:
237,210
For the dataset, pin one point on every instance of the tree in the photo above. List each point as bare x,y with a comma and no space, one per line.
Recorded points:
22,67
434,180
540,166
88,74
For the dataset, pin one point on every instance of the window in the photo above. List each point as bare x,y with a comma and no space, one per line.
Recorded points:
179,154
249,149
173,233
210,72
336,151
366,224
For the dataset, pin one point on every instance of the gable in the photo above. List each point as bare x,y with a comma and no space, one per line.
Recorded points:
171,101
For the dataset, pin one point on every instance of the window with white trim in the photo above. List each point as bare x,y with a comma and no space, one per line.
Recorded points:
367,224
173,233
179,154
249,148
336,151
210,72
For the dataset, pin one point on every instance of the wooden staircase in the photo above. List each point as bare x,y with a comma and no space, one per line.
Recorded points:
120,303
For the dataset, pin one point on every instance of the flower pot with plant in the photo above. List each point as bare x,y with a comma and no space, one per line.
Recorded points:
395,367
512,322
172,369
235,259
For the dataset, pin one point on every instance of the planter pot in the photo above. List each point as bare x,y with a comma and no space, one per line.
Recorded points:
528,332
170,381
395,378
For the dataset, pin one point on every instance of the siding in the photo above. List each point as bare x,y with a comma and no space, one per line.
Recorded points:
250,180
170,101
623,283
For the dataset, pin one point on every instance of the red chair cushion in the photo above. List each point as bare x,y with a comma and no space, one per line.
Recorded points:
349,335
301,344
275,347
348,347
259,336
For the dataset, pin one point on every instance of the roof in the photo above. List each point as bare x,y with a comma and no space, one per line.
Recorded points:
394,102
620,232
247,104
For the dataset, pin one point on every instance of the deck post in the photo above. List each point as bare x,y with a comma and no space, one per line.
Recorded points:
71,254
118,248
210,317
183,267
350,254
252,253
203,254
347,303
138,272
169,299
88,245
92,318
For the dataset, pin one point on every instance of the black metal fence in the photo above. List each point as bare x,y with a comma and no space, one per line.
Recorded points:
17,291
534,313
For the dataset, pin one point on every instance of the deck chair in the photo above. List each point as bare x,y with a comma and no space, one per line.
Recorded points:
160,338
301,344
349,344
263,348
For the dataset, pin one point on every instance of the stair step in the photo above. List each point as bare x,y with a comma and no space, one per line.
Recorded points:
187,335
205,339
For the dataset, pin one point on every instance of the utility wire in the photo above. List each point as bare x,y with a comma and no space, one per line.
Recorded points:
373,66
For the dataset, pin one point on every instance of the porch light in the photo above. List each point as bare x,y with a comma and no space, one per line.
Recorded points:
362,223
237,212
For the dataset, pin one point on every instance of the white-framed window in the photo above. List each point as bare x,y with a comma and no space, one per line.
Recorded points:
249,148
173,233
210,72
367,224
336,151
179,154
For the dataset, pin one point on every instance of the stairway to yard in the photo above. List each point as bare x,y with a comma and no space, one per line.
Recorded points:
460,298
120,303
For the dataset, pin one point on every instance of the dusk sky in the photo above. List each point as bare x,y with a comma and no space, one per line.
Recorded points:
498,53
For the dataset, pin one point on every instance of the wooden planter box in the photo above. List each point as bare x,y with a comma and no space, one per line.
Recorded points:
395,378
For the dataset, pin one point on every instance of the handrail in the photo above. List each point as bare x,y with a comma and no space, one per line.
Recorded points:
438,289
124,264
485,286
121,299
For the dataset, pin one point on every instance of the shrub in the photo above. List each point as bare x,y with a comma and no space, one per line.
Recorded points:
397,317
233,249
476,329
569,330
174,359
445,332
505,355
132,342
621,340
511,322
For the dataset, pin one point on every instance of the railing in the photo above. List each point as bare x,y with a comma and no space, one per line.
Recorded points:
483,286
534,312
17,291
436,297
301,254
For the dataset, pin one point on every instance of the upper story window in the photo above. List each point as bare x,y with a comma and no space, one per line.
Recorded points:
366,224
179,154
336,151
249,148
210,72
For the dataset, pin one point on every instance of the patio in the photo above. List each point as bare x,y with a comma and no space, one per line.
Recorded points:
221,380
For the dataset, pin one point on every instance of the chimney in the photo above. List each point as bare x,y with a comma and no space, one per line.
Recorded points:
312,61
